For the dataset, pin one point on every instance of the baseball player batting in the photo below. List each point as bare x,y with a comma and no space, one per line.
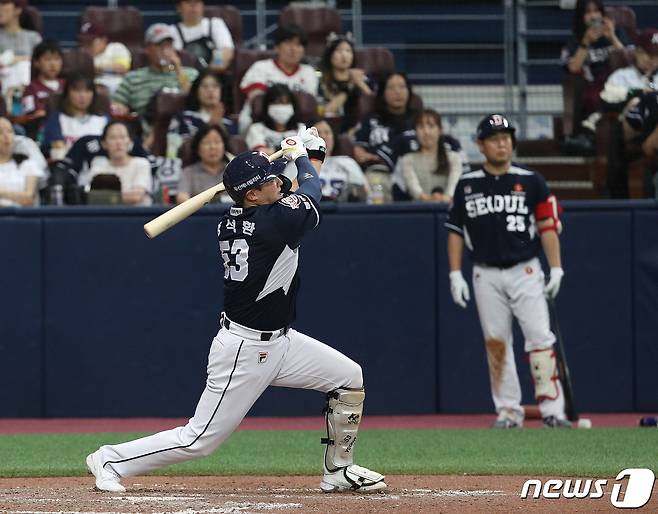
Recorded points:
505,214
259,240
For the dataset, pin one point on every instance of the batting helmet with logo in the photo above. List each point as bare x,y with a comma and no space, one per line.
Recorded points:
249,170
493,124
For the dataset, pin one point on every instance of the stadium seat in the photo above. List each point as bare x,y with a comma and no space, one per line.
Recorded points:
166,106
74,60
241,62
123,24
231,16
31,19
375,61
317,21
367,104
625,18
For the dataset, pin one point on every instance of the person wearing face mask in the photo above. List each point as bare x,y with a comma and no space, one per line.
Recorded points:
279,119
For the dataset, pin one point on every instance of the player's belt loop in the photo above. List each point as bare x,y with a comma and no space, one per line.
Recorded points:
247,332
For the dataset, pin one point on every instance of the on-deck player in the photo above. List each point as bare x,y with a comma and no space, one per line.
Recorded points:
505,214
255,347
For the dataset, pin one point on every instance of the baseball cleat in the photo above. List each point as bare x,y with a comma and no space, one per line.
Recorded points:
506,423
106,480
352,478
555,422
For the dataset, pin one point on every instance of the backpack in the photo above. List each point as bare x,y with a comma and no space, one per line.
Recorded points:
201,48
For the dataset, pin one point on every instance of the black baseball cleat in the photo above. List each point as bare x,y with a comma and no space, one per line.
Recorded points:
555,422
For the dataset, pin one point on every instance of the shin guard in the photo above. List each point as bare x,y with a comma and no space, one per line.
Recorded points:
343,416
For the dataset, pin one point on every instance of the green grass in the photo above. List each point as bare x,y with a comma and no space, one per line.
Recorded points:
585,453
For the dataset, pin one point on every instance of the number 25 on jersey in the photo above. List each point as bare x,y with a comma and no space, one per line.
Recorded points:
235,258
515,223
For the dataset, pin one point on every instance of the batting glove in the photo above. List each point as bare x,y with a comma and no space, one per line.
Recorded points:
552,288
293,148
316,146
459,288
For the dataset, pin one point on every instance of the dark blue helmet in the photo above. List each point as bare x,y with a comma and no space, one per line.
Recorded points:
493,124
250,170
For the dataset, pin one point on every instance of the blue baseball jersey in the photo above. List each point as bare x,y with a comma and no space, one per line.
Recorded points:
495,215
260,250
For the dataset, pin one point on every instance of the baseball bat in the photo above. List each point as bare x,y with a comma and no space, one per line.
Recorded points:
562,365
175,215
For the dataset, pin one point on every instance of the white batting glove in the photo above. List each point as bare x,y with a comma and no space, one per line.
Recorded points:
552,288
459,288
293,148
316,146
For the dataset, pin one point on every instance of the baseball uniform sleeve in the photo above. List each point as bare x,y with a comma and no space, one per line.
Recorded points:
255,78
455,221
456,167
295,215
255,138
542,192
355,175
221,35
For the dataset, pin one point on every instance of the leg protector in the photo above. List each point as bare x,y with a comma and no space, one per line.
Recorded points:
343,416
544,374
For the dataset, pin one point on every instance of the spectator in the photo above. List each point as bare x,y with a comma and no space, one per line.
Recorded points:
286,68
76,116
587,52
133,172
387,133
111,60
17,45
47,63
279,119
624,84
641,124
341,84
19,175
342,178
203,106
164,70
431,173
209,160
208,39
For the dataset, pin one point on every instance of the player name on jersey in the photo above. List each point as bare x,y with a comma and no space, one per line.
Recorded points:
480,205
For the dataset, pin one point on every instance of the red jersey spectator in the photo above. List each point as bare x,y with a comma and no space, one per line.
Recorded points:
47,62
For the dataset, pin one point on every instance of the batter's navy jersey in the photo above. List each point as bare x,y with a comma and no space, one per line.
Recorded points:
495,215
259,247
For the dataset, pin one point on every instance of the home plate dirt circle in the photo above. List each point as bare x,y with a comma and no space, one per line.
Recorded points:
280,495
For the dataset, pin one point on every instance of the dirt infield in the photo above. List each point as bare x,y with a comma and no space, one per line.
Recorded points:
284,495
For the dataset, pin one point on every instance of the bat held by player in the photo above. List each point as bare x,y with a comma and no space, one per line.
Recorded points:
175,215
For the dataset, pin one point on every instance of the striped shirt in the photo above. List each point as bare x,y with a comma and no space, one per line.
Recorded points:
138,86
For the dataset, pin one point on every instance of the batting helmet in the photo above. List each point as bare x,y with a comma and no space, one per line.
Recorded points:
493,124
250,170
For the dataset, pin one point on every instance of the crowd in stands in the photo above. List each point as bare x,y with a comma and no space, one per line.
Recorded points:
156,122
616,69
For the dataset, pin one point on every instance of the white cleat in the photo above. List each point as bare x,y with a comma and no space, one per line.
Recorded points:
352,478
106,480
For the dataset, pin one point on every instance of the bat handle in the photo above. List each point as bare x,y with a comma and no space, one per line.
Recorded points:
276,155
